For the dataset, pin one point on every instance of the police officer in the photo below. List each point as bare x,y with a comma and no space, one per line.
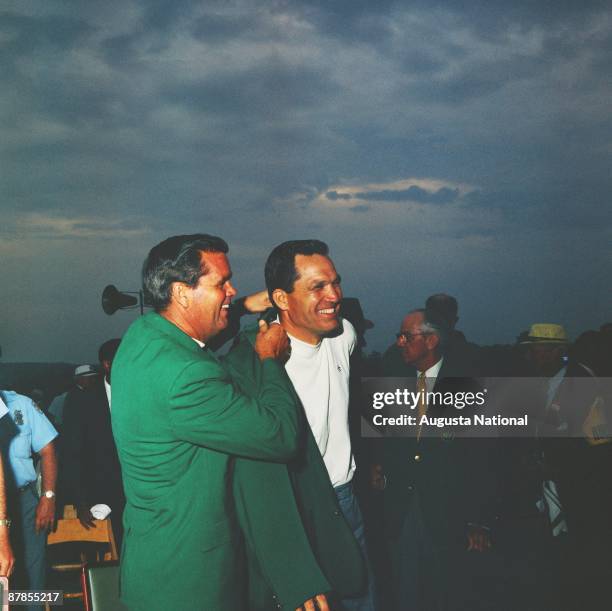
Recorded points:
29,432
6,553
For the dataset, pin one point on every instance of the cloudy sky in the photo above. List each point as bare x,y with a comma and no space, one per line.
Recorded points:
435,148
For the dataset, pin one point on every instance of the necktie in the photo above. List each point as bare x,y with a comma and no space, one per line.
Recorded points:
422,391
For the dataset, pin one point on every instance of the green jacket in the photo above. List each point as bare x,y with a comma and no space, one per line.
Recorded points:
297,541
177,417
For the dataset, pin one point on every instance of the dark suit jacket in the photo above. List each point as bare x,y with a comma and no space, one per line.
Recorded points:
581,471
90,464
446,476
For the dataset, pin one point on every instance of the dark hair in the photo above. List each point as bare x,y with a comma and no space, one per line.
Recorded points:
444,304
176,259
280,269
108,349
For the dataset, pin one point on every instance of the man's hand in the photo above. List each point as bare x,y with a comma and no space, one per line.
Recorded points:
378,481
7,560
272,342
479,539
257,302
85,517
312,604
45,514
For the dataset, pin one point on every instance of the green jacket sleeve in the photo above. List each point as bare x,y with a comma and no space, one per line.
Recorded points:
208,410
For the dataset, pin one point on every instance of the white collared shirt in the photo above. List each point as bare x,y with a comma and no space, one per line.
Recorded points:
431,374
107,388
3,408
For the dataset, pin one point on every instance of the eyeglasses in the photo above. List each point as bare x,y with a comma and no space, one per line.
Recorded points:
408,337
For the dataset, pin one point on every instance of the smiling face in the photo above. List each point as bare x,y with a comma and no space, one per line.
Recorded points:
206,305
311,310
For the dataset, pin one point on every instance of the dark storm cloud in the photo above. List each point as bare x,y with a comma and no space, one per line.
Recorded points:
127,121
218,28
163,15
121,51
334,195
353,20
23,35
412,194
269,90
491,18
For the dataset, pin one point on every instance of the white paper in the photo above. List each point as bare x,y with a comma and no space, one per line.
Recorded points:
100,511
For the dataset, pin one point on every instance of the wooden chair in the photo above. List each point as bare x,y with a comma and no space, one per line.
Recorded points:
71,531
100,583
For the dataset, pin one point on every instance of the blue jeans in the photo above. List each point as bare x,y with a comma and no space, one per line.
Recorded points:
30,545
352,514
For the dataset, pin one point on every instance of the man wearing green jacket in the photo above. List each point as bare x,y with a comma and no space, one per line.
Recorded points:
177,419
298,544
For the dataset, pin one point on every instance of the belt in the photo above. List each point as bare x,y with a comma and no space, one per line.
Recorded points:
27,486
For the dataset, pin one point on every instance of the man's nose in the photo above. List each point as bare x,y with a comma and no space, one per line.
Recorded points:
334,293
230,291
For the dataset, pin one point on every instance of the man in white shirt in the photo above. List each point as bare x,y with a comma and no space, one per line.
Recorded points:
305,288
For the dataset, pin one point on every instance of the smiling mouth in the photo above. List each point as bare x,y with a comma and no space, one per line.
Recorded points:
327,311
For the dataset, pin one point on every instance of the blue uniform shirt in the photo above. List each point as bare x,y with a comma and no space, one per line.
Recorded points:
35,432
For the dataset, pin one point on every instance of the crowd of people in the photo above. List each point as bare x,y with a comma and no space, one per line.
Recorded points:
244,481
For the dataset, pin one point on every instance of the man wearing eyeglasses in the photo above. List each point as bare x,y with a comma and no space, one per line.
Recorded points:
435,497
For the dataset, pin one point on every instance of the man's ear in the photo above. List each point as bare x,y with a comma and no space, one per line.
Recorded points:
279,299
432,341
180,294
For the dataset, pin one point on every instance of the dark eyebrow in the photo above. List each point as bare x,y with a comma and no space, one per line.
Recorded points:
315,283
322,282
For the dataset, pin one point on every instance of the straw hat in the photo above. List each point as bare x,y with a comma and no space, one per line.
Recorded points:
546,333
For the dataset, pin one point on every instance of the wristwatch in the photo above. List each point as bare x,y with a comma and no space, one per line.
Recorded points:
5,522
50,494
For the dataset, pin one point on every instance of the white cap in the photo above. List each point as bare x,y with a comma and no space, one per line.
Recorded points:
85,370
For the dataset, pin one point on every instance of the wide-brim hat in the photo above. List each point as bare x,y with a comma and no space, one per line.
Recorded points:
84,370
546,333
351,310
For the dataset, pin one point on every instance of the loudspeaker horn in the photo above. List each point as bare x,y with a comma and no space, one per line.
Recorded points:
113,300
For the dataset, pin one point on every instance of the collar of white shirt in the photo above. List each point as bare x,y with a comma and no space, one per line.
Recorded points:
432,373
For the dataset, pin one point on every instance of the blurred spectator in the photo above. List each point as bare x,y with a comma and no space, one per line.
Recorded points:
7,559
90,463
351,310
85,377
577,462
445,308
438,494
26,432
